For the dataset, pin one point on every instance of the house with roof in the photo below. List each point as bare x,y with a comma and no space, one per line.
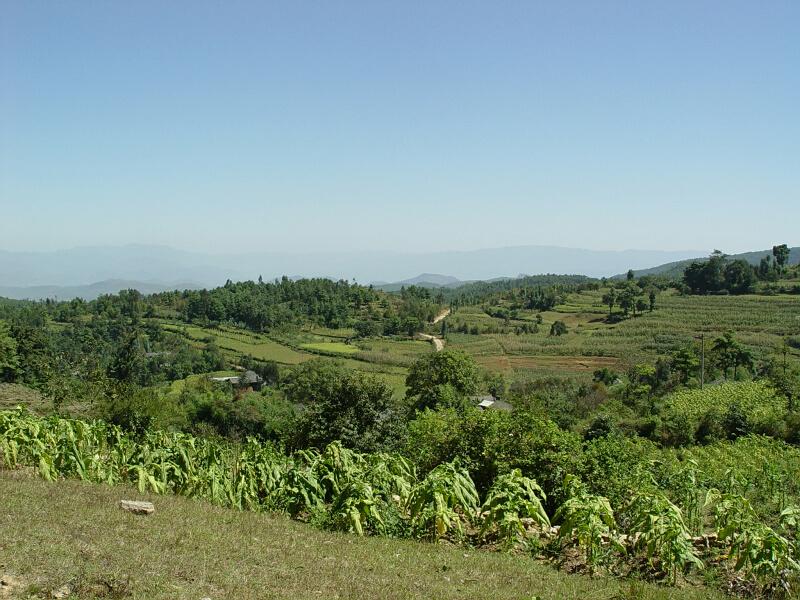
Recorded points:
249,381
492,403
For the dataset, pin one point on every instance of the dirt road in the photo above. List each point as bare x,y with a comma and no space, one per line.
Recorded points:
440,316
437,342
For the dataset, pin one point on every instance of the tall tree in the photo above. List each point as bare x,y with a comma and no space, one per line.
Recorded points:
730,353
627,299
610,299
686,363
781,254
441,378
739,277
340,404
9,361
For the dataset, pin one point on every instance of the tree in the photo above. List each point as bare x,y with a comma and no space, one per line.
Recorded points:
652,297
127,364
629,275
496,385
9,361
739,277
610,299
558,328
706,277
767,269
340,404
441,378
730,354
365,329
627,299
641,306
685,362
781,254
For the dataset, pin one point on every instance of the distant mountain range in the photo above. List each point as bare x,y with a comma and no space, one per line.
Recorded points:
92,290
87,265
426,280
674,270
91,271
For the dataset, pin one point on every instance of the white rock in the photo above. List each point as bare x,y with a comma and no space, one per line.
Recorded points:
137,508
63,592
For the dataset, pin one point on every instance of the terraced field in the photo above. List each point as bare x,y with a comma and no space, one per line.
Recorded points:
386,359
331,347
760,322
238,342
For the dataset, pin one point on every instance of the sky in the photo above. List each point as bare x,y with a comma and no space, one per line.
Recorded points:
404,126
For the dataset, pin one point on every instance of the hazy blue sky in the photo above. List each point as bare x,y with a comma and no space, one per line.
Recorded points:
232,126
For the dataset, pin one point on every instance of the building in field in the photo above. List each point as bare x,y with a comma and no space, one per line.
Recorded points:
249,381
492,403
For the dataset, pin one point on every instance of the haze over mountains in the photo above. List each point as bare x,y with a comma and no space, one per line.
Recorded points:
88,272
62,273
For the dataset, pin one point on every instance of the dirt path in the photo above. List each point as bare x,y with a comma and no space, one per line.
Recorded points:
441,316
437,342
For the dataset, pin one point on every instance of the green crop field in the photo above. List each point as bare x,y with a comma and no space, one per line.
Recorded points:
392,351
385,359
762,323
240,342
331,347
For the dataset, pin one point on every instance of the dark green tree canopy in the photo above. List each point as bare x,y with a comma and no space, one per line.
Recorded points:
441,378
340,404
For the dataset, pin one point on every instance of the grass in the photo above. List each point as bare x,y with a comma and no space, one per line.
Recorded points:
240,342
73,533
12,394
331,348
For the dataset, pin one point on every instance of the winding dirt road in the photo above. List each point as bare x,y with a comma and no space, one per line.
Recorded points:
440,316
438,343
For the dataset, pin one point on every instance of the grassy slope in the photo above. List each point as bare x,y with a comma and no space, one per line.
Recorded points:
73,533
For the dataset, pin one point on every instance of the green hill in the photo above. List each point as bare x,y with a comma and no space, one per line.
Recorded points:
674,270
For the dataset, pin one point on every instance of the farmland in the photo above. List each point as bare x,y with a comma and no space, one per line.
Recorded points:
385,358
761,322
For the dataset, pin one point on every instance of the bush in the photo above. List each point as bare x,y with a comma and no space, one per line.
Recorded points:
340,404
558,328
734,409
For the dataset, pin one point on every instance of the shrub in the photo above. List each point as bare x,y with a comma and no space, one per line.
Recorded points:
733,408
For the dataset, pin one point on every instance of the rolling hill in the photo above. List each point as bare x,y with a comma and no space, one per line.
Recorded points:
674,270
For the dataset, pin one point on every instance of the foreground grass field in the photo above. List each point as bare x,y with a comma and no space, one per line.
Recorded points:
73,534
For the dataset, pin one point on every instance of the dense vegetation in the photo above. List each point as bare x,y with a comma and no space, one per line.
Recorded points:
656,429
618,500
720,275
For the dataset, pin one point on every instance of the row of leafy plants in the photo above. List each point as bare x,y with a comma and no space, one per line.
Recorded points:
383,494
